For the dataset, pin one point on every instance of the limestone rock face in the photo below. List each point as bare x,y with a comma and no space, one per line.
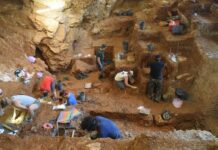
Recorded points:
114,25
214,9
58,21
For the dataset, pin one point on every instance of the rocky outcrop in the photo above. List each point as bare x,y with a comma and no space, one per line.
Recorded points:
192,139
114,26
57,23
16,35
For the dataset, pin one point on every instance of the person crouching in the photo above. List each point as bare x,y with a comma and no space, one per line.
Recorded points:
123,78
71,99
24,102
104,127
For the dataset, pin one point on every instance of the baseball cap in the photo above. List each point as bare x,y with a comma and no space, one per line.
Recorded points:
131,72
1,91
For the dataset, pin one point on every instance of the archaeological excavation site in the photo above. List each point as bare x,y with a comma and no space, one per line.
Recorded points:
109,74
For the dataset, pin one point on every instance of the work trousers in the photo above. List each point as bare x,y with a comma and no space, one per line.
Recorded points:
154,89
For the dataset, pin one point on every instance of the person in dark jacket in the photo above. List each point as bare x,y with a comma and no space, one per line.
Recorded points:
100,60
154,89
105,128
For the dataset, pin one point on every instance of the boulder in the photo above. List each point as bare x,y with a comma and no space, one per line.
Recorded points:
38,37
61,33
83,66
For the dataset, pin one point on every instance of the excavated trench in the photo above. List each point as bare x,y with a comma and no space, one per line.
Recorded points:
106,99
179,122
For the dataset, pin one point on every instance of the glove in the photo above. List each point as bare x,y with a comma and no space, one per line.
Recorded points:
134,87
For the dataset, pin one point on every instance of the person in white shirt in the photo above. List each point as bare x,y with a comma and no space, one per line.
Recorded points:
123,78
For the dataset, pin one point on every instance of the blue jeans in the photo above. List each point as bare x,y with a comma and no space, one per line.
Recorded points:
101,70
57,85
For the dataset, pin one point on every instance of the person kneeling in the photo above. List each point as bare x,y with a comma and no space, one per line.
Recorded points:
123,78
105,128
71,99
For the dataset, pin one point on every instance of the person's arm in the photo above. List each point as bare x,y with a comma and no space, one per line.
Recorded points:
18,105
127,84
99,62
53,90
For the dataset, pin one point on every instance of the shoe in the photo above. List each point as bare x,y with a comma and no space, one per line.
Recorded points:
157,100
29,120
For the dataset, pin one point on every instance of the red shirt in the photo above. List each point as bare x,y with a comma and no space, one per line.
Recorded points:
45,84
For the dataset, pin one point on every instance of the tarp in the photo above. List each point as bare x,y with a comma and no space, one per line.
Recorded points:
67,116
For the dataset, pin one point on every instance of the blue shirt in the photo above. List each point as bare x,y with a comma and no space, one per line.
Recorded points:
23,99
71,99
156,70
107,128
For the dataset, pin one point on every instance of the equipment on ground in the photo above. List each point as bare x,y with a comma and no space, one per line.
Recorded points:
166,115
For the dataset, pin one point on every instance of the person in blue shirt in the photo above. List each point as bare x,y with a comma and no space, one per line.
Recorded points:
105,128
71,99
154,89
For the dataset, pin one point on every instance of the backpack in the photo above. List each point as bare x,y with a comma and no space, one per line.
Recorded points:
178,29
17,72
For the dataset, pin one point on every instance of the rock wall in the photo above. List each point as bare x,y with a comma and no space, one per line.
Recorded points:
16,34
199,140
205,93
58,24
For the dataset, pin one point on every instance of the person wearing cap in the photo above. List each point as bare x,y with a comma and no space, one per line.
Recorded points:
123,78
71,99
49,84
154,89
100,60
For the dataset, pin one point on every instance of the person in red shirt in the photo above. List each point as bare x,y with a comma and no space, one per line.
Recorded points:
49,84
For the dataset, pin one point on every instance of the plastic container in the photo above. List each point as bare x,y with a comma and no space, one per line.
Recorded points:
31,59
39,74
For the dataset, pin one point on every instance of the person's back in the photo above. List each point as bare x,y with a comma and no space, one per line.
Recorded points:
156,69
107,128
45,84
24,99
71,99
121,75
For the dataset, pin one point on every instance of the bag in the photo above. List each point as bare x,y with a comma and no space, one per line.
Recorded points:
17,72
178,29
81,96
181,93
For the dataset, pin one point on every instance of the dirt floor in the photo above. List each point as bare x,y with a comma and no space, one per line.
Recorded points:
121,106
105,98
